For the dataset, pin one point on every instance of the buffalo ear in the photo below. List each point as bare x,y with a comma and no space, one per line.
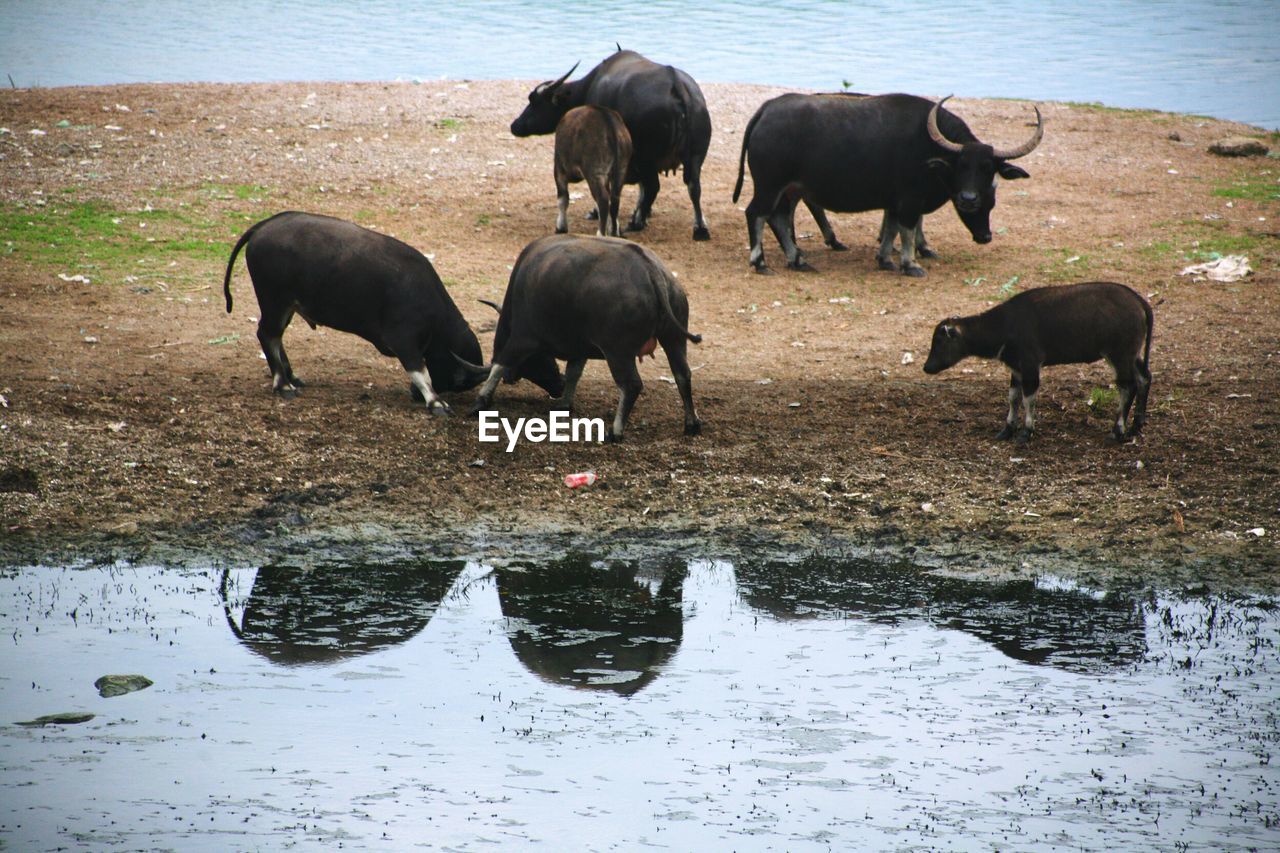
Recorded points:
559,96
1010,172
950,331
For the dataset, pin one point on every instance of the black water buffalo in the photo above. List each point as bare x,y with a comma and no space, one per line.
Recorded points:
337,274
592,144
663,108
575,298
1073,324
897,153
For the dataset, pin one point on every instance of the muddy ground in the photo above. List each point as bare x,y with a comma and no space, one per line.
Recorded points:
138,421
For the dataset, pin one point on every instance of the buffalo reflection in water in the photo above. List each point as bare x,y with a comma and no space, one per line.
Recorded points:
324,615
1064,628
597,624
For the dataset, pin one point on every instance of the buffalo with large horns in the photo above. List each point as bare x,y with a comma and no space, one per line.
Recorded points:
901,154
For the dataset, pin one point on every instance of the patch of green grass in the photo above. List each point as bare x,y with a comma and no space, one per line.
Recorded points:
97,237
448,123
483,219
1261,189
1103,401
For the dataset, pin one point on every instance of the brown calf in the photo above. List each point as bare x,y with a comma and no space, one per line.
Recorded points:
592,144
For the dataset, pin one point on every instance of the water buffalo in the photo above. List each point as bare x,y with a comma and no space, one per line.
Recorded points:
575,298
337,274
663,108
897,153
1072,324
592,144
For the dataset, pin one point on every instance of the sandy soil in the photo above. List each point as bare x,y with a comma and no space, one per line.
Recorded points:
137,413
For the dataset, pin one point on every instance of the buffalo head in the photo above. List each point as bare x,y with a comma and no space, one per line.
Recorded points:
948,346
969,171
548,102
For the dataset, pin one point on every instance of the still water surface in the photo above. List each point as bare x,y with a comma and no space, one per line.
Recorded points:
586,703
1199,56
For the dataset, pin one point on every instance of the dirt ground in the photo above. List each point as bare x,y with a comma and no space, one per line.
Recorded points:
137,414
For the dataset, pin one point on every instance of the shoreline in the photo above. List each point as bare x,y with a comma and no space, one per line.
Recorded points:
206,454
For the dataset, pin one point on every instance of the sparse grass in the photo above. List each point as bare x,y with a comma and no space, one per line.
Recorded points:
1262,187
97,238
1065,265
483,220
1103,402
448,123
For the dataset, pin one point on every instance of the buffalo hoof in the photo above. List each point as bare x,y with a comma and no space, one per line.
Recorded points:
564,230
1023,436
800,266
477,407
886,264
439,408
915,271
926,252
610,437
636,226
1006,433
693,428
836,246
1123,436
701,233
288,392
592,215
295,381
762,269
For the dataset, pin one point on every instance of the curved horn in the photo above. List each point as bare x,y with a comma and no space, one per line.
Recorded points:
472,371
492,305
1025,148
936,135
560,82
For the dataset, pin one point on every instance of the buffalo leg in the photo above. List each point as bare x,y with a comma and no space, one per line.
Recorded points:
649,187
599,186
824,225
923,249
562,203
888,231
572,373
693,181
271,328
782,223
1030,383
907,232
677,359
485,398
1015,394
755,234
1144,389
627,378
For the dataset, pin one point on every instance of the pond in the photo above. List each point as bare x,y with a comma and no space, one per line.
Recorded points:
1218,59
587,701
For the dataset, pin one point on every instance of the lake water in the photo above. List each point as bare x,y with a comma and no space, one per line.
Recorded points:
1199,56
588,702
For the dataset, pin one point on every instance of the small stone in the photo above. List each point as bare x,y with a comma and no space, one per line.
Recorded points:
118,685
67,718
1238,146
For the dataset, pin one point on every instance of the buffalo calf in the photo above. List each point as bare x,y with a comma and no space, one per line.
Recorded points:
337,274
578,298
592,144
1073,324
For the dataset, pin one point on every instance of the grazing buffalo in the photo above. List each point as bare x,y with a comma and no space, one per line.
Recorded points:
897,153
337,274
663,108
575,298
1073,324
592,144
